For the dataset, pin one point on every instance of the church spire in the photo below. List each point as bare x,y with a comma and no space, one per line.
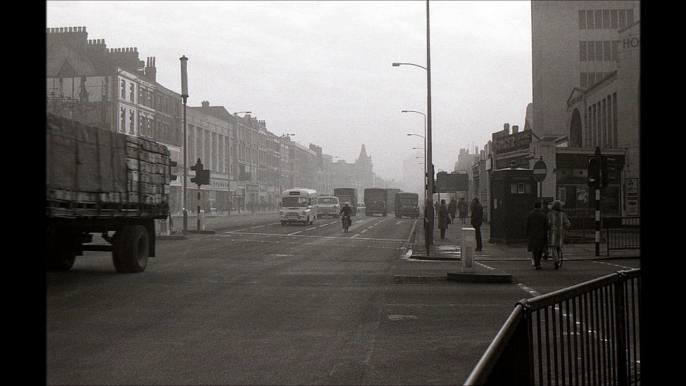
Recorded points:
363,153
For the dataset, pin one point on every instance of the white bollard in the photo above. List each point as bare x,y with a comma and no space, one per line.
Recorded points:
468,245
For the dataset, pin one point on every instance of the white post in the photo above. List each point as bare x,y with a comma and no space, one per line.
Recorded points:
468,245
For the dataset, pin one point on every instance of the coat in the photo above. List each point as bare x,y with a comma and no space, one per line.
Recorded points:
536,229
477,213
452,208
557,223
462,208
443,217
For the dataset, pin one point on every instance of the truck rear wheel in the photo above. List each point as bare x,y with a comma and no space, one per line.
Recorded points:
131,249
60,251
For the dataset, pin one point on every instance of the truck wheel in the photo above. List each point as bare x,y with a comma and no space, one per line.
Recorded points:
131,249
60,251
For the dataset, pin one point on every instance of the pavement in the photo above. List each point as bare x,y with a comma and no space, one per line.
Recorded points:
444,260
450,250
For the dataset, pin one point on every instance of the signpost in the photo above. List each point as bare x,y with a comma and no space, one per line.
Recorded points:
540,172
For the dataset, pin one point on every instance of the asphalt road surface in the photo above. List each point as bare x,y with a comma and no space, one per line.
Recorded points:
261,303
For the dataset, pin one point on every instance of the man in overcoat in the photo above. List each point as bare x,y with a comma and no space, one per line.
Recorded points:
536,233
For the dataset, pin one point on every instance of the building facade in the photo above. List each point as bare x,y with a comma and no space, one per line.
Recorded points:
574,44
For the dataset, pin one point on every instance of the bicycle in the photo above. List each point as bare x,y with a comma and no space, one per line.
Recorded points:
346,223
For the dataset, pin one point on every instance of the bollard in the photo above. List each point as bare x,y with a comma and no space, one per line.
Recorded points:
468,245
201,220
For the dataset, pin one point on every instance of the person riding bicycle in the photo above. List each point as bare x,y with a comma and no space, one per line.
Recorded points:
345,212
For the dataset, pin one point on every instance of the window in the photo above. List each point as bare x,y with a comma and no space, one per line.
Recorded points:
122,120
582,19
123,89
132,92
132,120
582,51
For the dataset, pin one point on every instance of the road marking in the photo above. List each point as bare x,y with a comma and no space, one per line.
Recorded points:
235,232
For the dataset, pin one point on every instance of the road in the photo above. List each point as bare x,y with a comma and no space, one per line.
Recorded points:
261,303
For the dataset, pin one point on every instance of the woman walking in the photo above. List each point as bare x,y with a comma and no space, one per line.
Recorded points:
557,224
443,216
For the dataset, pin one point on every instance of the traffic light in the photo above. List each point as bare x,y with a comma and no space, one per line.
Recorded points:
594,171
609,171
202,177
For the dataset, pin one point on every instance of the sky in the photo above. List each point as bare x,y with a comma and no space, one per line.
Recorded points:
322,70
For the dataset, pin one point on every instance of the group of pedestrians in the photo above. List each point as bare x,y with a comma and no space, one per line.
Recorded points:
545,228
447,215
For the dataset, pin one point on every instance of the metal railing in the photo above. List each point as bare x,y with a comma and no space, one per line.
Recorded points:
582,335
623,233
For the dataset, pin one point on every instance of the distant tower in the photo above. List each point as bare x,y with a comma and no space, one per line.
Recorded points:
363,168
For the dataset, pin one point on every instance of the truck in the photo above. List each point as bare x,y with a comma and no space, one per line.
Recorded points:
406,204
375,201
102,182
347,195
390,198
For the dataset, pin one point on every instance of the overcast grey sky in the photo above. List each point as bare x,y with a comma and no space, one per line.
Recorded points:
322,69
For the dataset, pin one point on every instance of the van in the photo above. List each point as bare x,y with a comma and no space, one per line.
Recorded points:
298,206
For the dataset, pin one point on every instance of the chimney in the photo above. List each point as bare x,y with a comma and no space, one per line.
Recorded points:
150,69
506,128
515,129
205,104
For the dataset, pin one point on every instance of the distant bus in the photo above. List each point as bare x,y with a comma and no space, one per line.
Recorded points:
299,206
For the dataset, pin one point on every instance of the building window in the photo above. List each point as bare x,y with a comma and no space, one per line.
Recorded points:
132,92
132,120
122,120
582,51
123,89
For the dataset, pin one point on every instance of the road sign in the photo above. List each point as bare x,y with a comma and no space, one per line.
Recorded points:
540,171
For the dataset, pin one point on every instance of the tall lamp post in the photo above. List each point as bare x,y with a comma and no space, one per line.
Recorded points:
426,167
184,95
426,175
429,157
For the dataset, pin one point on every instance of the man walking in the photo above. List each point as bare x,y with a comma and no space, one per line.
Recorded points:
536,233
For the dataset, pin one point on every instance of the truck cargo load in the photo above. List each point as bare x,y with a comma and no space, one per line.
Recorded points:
99,181
375,202
347,195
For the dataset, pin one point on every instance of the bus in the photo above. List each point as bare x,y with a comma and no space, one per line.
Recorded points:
298,205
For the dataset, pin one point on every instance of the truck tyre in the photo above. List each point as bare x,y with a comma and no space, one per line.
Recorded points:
60,251
131,249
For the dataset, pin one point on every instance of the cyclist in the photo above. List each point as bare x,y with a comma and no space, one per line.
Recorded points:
345,213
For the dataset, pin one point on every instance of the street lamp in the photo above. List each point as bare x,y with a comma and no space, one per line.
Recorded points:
429,161
184,95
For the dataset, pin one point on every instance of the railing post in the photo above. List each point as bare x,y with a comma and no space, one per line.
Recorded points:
620,328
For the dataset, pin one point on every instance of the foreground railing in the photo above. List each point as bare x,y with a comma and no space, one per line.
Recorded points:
588,334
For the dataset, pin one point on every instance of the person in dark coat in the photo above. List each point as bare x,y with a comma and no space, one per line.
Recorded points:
536,233
545,209
462,209
477,218
443,218
452,209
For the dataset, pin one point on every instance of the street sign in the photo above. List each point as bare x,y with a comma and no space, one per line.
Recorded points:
540,171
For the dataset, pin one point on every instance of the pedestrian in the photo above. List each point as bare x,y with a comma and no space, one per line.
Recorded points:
462,209
536,233
452,209
477,218
428,225
557,224
545,209
443,218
